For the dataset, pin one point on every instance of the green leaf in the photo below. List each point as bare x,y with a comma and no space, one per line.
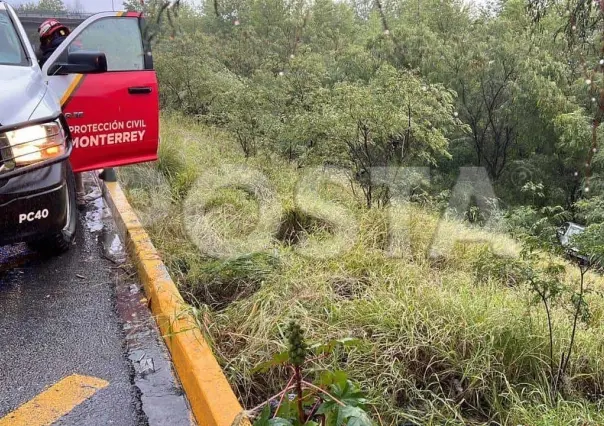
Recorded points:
333,377
326,407
263,420
287,409
335,417
356,416
277,359
278,421
348,393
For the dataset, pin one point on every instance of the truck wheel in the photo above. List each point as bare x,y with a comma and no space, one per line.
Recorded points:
61,241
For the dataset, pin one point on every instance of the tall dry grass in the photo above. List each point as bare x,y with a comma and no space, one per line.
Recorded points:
446,338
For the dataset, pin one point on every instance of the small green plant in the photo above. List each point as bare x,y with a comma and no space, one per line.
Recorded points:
332,400
534,190
547,285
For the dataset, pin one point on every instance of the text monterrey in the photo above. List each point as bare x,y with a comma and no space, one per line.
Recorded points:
108,133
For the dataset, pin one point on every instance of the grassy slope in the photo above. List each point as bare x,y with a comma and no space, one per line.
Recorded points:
440,343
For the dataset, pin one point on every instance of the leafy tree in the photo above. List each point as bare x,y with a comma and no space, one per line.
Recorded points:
135,5
395,119
579,27
44,6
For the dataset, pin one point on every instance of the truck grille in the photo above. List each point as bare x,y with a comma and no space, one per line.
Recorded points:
6,162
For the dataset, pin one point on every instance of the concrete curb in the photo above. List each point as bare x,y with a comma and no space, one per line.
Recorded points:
212,400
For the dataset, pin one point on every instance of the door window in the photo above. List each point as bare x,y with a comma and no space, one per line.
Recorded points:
119,38
11,50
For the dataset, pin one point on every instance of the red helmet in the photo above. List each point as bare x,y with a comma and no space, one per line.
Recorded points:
50,27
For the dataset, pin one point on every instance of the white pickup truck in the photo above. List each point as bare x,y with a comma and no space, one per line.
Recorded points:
87,109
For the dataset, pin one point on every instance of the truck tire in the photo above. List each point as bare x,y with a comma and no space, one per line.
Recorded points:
61,241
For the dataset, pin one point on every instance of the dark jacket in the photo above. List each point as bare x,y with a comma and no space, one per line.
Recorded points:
45,51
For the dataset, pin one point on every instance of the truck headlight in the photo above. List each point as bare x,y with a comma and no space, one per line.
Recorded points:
37,143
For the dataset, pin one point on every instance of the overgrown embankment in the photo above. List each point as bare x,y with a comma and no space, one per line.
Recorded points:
449,338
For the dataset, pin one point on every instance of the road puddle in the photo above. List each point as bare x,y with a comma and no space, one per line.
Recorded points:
13,256
94,215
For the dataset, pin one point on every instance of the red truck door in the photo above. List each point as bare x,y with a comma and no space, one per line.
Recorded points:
113,116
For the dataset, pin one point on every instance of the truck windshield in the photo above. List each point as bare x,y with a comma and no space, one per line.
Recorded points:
11,49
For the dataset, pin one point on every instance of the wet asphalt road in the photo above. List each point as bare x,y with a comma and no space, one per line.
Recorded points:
81,313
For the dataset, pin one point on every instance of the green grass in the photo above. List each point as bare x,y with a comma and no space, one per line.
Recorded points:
447,339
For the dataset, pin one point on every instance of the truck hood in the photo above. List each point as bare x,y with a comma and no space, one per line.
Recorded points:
24,95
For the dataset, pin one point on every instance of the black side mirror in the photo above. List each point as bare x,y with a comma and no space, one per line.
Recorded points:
81,62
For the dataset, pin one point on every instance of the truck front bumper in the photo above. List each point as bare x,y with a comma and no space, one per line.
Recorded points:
33,205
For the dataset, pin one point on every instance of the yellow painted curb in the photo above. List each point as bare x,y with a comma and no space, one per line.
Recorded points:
212,400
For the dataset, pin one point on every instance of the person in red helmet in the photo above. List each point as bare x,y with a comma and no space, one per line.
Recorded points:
52,33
